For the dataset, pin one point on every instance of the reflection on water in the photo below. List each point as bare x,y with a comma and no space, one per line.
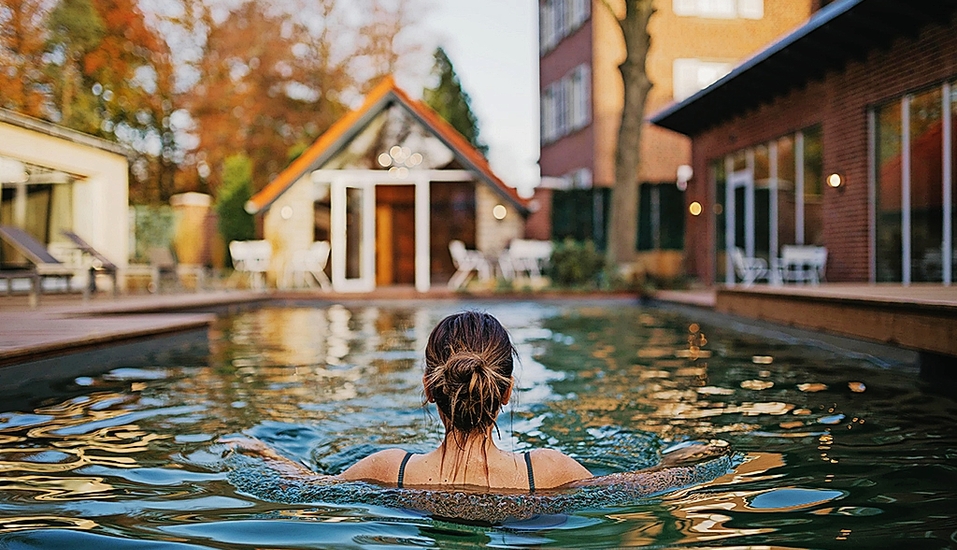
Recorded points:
833,450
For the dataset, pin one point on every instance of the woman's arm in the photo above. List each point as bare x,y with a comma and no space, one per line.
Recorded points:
675,466
277,462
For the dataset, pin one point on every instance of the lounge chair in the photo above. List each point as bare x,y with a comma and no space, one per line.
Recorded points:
42,264
99,262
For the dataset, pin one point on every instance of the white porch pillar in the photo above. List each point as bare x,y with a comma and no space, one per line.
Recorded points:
337,237
423,279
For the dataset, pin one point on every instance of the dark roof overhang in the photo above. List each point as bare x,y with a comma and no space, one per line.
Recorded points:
844,31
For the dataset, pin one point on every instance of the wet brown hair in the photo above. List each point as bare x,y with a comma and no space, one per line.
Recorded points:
468,371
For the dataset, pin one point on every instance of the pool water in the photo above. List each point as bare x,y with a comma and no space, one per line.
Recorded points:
831,449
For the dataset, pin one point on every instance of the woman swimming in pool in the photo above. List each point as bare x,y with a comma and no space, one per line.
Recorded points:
468,375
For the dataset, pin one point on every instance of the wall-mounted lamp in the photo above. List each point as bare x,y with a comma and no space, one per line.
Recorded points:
683,176
499,212
836,181
695,208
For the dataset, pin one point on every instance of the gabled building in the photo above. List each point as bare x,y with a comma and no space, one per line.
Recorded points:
55,179
693,43
389,186
863,96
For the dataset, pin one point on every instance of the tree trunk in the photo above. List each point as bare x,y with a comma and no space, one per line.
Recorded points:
623,228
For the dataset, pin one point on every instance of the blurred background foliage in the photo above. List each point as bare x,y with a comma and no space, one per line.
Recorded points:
186,84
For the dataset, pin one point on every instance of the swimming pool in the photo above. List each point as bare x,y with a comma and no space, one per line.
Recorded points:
831,449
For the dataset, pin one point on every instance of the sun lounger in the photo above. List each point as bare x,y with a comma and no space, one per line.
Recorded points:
42,264
99,262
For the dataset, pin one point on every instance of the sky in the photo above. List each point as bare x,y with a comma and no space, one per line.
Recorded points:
493,45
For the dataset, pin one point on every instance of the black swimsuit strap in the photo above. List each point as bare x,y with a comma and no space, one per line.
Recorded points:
405,460
531,475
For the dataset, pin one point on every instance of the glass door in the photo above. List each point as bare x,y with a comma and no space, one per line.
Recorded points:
739,211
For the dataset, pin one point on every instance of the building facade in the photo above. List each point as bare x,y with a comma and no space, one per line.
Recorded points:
55,179
388,186
864,97
693,43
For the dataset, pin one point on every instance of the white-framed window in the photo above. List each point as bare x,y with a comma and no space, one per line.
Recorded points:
560,18
719,9
691,75
566,104
580,96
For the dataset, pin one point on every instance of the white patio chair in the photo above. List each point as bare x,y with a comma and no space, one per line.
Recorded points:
524,256
748,269
801,264
252,258
465,262
307,267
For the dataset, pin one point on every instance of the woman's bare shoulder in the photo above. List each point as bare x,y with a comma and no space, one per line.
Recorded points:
554,468
381,466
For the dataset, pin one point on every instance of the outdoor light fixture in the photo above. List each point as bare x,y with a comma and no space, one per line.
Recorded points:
835,181
499,212
286,212
695,208
683,176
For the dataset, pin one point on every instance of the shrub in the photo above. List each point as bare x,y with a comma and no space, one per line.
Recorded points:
235,224
152,228
576,263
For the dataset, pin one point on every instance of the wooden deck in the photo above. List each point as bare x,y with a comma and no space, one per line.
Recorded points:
66,324
921,317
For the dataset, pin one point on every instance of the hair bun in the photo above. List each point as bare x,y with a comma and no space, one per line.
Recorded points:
462,365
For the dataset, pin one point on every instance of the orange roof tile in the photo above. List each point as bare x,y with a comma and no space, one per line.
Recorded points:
374,103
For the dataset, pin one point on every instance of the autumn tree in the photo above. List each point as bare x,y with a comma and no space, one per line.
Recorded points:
386,41
452,102
22,46
623,228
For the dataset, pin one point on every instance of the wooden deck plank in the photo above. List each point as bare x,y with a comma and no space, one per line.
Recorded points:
917,317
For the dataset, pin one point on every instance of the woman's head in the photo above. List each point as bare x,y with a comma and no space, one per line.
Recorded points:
468,371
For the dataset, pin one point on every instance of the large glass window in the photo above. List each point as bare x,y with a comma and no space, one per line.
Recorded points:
762,202
813,187
888,190
926,191
661,217
953,176
787,204
720,186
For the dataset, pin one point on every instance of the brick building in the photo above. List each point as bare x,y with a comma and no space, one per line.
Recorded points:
693,43
866,90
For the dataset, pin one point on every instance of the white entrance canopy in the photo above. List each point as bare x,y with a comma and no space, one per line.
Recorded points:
365,182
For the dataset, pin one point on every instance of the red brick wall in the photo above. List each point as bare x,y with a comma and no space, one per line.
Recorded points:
839,103
575,150
538,225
